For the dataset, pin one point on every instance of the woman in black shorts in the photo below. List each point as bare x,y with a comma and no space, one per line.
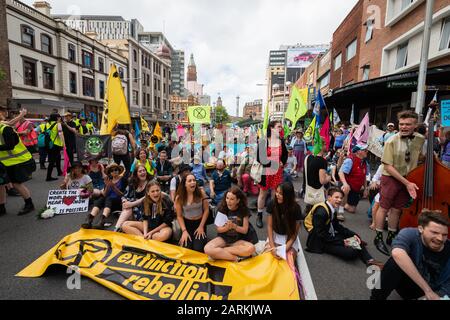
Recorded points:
111,198
236,238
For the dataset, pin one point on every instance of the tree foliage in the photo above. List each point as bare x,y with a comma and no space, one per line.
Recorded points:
222,116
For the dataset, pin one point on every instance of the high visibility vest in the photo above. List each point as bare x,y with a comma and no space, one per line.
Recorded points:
77,122
31,139
18,155
148,166
54,134
88,130
308,222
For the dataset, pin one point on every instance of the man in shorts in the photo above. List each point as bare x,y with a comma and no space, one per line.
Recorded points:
400,156
18,163
353,177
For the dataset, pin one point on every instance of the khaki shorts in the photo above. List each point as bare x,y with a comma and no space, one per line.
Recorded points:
393,193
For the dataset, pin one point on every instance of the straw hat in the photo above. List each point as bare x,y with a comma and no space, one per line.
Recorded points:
114,166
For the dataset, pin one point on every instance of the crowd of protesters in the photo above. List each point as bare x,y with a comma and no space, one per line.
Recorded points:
171,189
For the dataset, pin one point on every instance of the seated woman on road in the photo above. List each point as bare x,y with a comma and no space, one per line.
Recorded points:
192,208
236,238
158,216
78,179
283,220
97,173
134,197
142,158
111,198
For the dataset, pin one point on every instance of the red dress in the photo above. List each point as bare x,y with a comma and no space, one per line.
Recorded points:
274,173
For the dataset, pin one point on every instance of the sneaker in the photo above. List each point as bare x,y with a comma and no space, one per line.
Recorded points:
2,211
27,208
341,210
88,223
340,217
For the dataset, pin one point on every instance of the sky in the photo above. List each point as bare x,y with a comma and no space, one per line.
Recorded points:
230,39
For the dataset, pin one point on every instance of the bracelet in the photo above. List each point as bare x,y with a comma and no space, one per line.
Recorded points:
182,231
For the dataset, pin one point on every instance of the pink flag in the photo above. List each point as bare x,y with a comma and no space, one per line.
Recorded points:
325,132
362,133
66,162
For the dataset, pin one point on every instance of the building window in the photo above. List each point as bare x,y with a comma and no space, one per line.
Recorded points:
135,75
445,35
48,76
101,87
121,72
88,60
154,83
72,53
159,85
164,92
148,99
325,80
402,56
46,44
406,3
28,36
148,80
135,97
351,50
369,30
366,72
134,55
337,61
164,72
73,82
101,64
88,87
29,73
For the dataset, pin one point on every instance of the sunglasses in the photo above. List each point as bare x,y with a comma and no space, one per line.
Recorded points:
115,170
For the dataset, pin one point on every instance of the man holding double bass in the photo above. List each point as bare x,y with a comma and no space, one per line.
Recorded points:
400,156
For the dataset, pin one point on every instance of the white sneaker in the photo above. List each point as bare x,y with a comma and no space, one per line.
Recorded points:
341,210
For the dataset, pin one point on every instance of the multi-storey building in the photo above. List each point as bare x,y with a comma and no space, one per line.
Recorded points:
53,67
381,75
253,110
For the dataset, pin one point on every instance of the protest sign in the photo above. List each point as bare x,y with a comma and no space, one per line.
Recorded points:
67,201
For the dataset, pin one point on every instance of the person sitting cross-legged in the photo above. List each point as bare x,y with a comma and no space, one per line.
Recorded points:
236,238
420,262
328,235
158,216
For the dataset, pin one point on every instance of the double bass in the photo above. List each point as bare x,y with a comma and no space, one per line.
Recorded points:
433,180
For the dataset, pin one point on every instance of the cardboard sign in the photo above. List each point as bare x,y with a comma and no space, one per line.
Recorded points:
374,144
67,201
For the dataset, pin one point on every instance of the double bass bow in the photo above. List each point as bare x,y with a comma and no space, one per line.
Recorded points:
433,180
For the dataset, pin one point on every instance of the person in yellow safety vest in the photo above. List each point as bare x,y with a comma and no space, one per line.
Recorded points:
76,120
142,159
55,146
90,126
17,165
25,130
83,128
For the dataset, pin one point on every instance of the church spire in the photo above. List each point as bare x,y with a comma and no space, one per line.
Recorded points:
192,70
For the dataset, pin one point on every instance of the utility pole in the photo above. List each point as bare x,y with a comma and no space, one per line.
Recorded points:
237,106
420,102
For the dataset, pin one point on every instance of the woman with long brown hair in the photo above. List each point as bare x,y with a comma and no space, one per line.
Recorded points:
283,222
272,154
192,208
158,216
235,238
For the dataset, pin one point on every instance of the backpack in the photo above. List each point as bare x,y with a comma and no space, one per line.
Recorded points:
119,145
44,138
308,222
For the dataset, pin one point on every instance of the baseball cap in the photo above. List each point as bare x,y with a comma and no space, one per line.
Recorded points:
359,147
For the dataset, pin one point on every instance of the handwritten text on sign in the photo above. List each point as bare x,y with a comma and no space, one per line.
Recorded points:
67,201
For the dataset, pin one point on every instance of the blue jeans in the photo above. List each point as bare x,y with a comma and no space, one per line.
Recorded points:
287,177
219,197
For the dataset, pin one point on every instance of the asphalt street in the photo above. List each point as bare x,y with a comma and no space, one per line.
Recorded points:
23,239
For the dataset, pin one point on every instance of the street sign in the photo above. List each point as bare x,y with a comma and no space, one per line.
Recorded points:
402,84
445,113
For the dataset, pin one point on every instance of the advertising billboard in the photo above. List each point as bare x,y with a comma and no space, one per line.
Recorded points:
302,57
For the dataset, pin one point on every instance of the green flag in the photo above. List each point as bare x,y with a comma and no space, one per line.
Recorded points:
297,107
199,114
287,131
317,142
266,122
309,133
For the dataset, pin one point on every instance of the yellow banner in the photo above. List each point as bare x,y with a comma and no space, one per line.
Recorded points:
146,269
